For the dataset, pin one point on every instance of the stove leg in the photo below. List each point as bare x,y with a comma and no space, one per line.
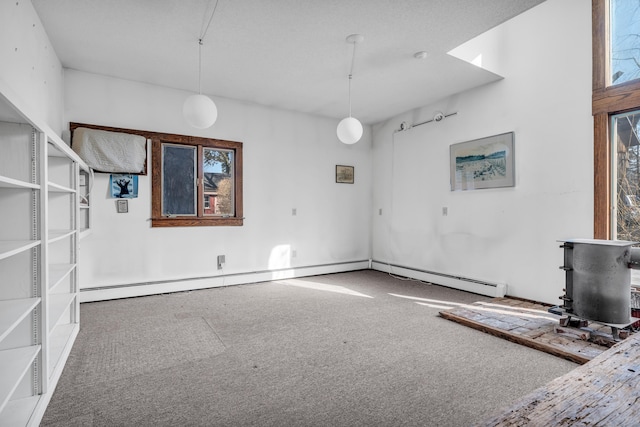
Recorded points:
615,332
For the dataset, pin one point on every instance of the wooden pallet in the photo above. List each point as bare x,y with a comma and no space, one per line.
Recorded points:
603,392
529,323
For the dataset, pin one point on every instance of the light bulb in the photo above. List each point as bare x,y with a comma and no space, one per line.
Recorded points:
349,130
200,111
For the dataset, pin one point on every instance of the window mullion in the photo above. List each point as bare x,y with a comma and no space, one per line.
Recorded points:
600,44
602,177
200,181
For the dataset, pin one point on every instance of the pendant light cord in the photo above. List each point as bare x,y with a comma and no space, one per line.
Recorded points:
200,42
204,33
349,95
353,60
200,66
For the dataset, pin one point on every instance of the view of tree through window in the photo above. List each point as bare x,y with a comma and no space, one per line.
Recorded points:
218,181
624,36
615,108
627,149
625,41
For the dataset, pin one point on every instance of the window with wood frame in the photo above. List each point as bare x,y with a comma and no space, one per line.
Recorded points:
196,182
616,113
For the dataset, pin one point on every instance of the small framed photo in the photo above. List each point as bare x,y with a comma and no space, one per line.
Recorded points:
344,174
122,205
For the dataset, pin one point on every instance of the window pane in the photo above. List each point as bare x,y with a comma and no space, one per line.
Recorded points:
219,185
625,40
179,190
627,176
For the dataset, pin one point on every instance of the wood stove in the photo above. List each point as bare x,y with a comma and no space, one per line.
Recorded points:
598,281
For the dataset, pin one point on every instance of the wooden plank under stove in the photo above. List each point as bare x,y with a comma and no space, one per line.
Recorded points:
525,323
604,391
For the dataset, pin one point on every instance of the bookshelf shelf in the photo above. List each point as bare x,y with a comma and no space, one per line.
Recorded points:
40,196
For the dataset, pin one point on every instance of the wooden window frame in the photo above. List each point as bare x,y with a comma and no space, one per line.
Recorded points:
157,219
157,138
606,102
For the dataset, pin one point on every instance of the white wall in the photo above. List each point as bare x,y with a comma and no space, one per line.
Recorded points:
503,235
289,162
28,63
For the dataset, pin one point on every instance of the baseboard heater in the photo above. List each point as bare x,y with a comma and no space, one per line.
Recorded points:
457,282
128,290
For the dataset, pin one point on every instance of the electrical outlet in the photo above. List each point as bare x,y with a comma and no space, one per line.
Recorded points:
380,211
294,253
445,211
294,211
221,261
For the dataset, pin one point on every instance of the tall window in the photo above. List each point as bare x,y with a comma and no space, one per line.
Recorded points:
624,39
626,173
616,110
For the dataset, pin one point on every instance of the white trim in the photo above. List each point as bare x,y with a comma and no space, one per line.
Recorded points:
89,294
461,283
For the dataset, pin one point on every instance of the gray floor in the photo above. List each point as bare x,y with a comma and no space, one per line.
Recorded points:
334,350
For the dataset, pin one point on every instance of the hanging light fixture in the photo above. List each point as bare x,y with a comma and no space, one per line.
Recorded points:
350,129
199,110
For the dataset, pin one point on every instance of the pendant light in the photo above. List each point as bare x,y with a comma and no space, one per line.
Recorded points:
350,129
199,110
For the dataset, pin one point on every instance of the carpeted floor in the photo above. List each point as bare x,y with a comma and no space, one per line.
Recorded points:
336,350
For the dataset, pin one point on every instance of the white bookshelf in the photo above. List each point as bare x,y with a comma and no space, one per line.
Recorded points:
10,248
57,273
84,189
12,312
58,305
56,235
40,203
56,188
6,182
14,364
63,335
18,412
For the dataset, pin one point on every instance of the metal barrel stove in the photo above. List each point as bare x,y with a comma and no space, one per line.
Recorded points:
598,280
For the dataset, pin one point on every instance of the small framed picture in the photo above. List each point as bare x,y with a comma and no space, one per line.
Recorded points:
122,205
124,186
344,174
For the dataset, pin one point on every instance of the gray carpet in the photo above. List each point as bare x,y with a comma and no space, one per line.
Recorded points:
334,350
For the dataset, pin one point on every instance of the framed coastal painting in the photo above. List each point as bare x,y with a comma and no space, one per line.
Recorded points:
483,163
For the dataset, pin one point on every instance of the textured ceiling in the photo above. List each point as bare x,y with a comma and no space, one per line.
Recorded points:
289,54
